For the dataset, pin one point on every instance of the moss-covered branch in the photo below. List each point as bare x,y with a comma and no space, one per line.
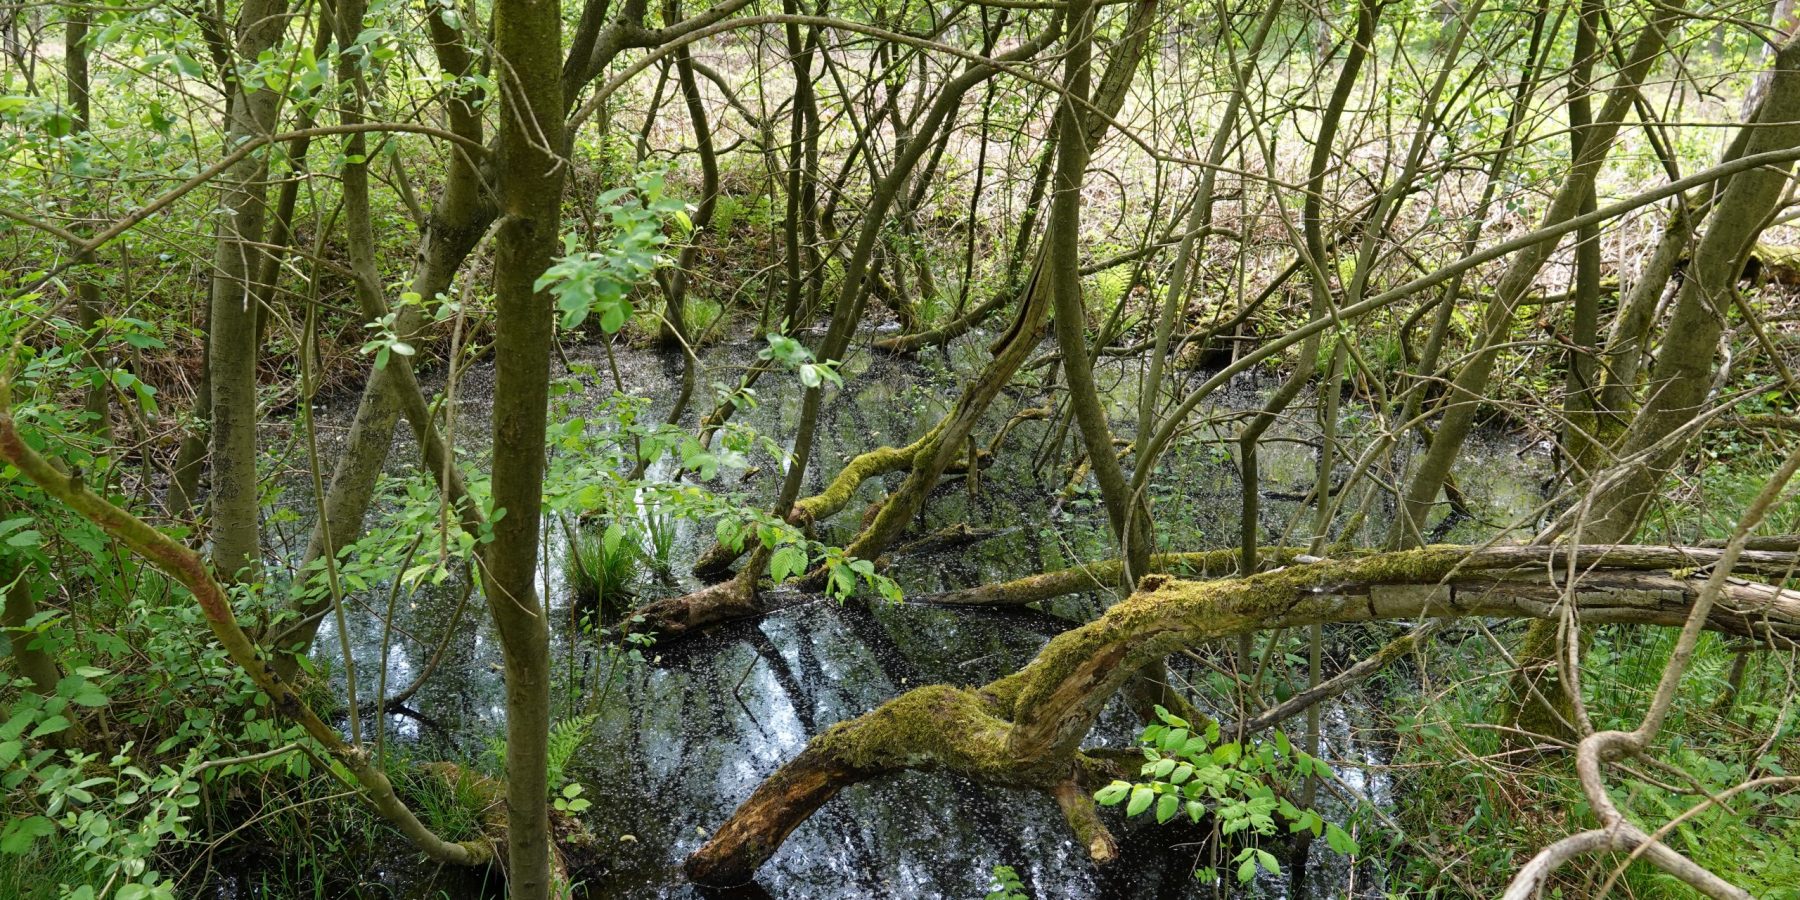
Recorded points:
186,567
832,500
1101,576
1024,730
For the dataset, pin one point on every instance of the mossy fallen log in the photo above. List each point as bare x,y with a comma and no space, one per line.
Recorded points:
1776,262
1024,730
1102,575
670,617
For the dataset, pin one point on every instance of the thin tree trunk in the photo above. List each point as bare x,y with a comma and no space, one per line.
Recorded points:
1536,700
1250,517
673,331
527,37
1678,385
1063,271
30,661
231,337
455,224
1470,384
1580,391
88,307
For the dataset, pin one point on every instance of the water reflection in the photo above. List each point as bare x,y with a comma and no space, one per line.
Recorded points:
681,739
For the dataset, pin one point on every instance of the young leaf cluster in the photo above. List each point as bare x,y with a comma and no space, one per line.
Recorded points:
1194,772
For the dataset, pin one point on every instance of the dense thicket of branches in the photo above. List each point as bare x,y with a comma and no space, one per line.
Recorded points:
1564,217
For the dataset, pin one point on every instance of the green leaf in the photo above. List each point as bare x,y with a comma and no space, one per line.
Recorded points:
843,581
1141,796
729,534
1113,793
1268,861
51,725
786,561
1323,769
20,538
1166,807
1340,840
19,834
1170,718
1176,738
612,319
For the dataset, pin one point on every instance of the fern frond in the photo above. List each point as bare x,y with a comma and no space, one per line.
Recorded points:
565,737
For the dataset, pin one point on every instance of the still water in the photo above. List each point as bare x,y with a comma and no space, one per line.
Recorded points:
683,736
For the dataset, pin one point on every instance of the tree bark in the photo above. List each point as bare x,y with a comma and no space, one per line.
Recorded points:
1470,384
1024,730
527,39
1062,251
1676,393
88,306
231,335
1581,389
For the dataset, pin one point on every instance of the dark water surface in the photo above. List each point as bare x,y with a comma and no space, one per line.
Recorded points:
683,737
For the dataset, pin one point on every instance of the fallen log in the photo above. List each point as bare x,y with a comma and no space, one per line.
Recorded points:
671,617
1219,563
949,537
1100,576
1779,263
1024,730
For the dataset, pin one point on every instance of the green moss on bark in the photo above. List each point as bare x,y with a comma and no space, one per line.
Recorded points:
933,726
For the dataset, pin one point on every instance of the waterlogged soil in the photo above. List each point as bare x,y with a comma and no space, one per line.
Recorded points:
684,735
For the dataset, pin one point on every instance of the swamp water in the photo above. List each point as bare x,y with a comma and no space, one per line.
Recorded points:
687,734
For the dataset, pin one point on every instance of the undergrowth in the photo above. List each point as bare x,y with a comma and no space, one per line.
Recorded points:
1465,795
